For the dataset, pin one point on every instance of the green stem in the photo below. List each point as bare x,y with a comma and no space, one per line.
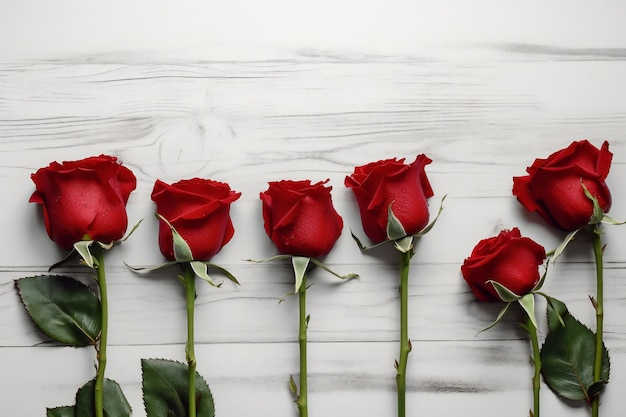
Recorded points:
190,292
405,344
599,306
532,331
101,350
302,396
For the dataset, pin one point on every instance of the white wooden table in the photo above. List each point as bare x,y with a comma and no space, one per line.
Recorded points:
247,92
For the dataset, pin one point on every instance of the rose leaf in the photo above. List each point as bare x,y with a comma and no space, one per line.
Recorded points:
114,401
64,411
64,309
165,390
567,358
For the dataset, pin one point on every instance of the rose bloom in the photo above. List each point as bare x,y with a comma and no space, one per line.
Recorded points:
379,184
84,199
199,210
553,187
299,217
509,259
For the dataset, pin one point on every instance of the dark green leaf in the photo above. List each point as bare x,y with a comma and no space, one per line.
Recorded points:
556,310
65,411
596,388
567,357
165,391
63,308
114,401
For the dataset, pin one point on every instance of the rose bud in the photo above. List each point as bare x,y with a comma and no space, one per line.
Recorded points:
299,217
379,184
199,210
553,187
508,259
84,199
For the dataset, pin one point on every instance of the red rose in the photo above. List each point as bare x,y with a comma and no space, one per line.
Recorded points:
199,210
300,218
508,259
379,184
553,188
85,198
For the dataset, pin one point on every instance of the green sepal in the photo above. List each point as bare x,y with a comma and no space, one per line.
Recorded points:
559,249
598,213
610,220
200,269
273,258
504,293
498,318
327,269
165,390
154,268
63,411
114,402
82,248
293,387
224,271
182,251
363,247
300,264
432,224
541,281
395,229
567,356
404,244
528,304
63,308
129,234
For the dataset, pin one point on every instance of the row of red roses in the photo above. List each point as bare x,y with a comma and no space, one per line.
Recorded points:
85,201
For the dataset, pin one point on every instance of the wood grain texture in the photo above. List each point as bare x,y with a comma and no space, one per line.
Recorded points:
249,92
